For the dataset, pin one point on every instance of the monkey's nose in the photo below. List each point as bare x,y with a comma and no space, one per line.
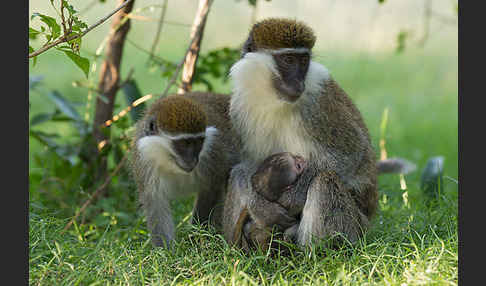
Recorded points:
188,166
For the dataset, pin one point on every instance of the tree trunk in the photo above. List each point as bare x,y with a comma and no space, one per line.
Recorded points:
108,85
110,72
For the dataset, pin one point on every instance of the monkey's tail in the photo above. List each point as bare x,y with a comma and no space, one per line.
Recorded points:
395,166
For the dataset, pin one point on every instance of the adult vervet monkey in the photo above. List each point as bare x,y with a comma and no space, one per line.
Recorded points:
284,102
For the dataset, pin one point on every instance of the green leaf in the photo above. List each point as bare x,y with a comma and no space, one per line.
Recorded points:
381,1
51,23
132,93
33,33
64,105
31,50
69,7
45,138
82,63
40,118
34,81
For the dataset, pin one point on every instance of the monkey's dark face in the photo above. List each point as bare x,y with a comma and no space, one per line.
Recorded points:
277,173
187,152
182,149
292,68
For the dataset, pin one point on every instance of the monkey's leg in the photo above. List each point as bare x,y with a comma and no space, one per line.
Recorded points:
330,211
208,206
159,217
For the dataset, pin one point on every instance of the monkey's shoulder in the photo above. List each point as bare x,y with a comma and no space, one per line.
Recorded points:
215,105
335,116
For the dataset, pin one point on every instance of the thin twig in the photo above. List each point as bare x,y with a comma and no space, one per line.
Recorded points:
179,67
65,38
427,15
193,54
155,58
96,194
63,20
254,13
159,29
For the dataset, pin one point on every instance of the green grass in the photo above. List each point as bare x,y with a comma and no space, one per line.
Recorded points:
414,244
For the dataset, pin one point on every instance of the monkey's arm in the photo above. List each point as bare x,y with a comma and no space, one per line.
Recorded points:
154,200
155,205
235,211
213,172
330,210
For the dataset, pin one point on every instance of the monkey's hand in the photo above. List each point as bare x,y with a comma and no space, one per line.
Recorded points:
290,234
268,214
330,212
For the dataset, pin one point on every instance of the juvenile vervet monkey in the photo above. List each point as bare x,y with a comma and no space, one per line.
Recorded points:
182,145
284,102
274,203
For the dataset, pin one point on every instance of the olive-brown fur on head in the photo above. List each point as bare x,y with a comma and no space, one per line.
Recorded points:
276,33
176,114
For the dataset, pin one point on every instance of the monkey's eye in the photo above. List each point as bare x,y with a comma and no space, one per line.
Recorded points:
288,59
151,127
304,59
200,140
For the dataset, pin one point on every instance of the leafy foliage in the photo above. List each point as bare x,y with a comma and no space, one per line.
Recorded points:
132,93
72,26
69,170
215,65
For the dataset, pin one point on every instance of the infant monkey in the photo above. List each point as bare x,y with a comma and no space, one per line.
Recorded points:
274,186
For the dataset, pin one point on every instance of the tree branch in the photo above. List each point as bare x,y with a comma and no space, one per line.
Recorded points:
65,37
427,14
196,36
97,193
159,29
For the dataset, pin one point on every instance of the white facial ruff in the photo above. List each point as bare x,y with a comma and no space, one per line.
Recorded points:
266,123
158,149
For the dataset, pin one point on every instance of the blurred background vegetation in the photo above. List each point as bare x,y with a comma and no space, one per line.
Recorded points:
396,55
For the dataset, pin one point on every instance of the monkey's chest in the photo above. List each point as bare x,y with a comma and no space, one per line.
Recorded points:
281,137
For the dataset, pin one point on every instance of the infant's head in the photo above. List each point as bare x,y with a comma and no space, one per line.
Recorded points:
277,174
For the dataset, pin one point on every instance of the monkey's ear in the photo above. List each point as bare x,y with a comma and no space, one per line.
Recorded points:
248,46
